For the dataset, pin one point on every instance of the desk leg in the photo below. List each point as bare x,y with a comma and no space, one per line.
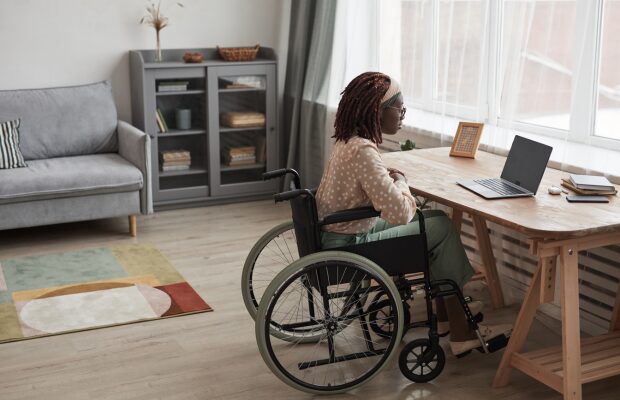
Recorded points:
457,218
521,328
571,341
488,261
547,280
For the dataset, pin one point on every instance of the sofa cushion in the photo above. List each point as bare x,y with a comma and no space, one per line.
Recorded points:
69,176
65,121
10,155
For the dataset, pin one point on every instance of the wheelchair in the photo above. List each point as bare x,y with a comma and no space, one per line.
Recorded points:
327,321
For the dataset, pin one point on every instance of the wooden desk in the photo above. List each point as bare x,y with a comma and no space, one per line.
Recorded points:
554,228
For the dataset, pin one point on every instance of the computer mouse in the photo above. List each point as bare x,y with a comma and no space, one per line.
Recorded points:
554,190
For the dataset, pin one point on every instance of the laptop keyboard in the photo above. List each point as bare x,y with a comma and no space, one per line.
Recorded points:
499,186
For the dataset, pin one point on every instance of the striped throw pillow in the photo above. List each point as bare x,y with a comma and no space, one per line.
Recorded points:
10,155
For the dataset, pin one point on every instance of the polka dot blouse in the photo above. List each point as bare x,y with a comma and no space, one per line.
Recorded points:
356,176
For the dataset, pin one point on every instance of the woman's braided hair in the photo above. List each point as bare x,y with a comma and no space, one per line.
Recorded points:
359,110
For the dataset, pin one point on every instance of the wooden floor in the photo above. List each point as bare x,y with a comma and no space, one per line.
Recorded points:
211,355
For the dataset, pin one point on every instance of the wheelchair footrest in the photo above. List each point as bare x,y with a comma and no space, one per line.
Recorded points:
497,343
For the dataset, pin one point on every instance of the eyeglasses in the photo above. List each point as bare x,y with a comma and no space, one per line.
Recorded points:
402,110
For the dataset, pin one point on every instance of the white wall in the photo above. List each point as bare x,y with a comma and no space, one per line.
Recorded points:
45,43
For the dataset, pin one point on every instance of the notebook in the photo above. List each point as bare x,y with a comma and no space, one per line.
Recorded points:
591,182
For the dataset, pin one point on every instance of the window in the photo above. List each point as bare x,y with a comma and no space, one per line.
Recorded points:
460,35
608,108
537,56
549,67
412,48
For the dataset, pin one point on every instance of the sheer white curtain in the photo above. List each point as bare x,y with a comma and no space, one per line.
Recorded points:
544,69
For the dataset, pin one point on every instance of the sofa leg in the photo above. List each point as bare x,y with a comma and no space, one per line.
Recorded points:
133,225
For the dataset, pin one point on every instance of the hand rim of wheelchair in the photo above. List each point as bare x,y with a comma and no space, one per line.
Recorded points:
249,296
287,276
378,307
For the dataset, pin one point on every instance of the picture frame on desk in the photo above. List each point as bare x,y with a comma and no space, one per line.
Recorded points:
466,139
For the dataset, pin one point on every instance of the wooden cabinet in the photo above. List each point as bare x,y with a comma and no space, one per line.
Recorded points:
231,138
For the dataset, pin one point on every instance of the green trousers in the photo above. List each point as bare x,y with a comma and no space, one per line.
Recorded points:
447,256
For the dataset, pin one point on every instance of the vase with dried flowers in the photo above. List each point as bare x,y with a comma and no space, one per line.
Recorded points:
158,21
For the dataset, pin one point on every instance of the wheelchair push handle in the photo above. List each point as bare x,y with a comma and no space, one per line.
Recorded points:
277,173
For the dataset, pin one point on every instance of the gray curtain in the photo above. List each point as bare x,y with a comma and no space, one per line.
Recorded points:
307,71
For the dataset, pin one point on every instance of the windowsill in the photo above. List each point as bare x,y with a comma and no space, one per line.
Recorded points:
434,130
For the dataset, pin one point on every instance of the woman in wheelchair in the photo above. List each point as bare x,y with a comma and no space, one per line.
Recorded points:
355,176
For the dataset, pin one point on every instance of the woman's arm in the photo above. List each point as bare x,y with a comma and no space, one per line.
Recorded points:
390,196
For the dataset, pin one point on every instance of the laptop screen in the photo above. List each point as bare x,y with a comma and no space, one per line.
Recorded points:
526,163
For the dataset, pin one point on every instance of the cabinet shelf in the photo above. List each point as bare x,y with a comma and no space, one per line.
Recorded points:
191,171
224,129
181,132
239,90
179,92
226,168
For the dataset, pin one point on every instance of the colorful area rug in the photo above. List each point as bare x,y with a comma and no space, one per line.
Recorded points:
92,288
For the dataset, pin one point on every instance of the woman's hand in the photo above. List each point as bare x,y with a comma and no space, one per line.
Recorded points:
394,170
397,175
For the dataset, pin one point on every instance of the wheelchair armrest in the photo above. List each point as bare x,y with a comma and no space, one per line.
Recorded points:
349,215
362,213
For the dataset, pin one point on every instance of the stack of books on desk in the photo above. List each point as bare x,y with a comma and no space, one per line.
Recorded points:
174,160
589,184
235,156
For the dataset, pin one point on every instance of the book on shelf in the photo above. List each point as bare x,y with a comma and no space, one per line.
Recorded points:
179,162
160,125
241,150
591,182
162,119
236,119
244,82
241,158
175,167
236,163
174,155
172,86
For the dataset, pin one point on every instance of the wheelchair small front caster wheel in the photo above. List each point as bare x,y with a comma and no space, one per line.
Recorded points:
382,318
421,362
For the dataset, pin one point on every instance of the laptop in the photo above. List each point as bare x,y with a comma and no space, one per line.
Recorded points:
523,171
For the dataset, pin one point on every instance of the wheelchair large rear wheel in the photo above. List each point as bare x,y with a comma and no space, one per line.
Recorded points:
325,294
274,251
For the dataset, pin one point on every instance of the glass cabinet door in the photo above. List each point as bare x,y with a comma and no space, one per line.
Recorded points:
242,128
177,123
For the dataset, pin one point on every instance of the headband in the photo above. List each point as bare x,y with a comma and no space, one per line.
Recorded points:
393,91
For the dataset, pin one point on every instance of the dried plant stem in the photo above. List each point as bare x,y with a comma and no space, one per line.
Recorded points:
158,48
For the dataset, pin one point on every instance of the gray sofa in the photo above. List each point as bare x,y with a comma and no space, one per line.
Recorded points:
83,163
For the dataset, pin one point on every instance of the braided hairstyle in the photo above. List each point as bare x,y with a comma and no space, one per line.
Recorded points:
359,110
